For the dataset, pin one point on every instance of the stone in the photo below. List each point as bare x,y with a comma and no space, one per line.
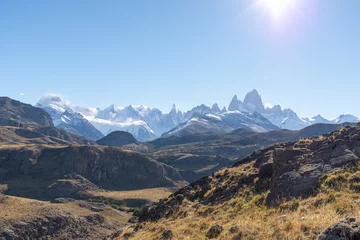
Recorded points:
343,230
214,231
166,235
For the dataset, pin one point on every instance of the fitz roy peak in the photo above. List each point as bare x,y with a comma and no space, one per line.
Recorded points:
146,123
283,118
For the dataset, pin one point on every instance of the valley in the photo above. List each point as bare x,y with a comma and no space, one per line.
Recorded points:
57,183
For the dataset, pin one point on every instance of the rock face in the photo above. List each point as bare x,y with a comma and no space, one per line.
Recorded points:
285,170
108,167
117,138
15,113
343,230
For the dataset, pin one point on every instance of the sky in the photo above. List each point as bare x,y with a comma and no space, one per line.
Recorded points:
304,55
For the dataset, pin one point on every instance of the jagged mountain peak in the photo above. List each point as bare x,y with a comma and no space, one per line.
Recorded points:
113,108
50,98
234,104
253,99
215,108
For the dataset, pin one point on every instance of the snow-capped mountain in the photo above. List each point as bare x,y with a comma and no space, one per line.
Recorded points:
346,118
283,118
147,123
222,123
66,118
316,119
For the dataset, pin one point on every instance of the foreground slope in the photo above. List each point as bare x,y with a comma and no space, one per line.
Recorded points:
286,191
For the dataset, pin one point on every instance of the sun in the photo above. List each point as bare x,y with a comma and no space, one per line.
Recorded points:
278,8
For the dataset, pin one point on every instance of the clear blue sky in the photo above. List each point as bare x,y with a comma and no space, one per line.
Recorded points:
187,52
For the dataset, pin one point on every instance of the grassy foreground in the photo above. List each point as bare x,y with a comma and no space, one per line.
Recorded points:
246,216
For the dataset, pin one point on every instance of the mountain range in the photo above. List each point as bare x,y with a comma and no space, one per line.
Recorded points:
147,123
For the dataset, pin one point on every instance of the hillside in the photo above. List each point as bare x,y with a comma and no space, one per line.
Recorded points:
15,113
117,138
29,134
287,191
48,172
199,155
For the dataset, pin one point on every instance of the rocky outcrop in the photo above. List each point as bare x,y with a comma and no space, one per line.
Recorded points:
343,230
15,113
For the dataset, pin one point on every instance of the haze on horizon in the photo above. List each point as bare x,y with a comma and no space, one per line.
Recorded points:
304,56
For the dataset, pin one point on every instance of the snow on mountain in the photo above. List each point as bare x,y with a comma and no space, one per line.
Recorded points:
283,118
151,119
75,123
147,123
222,123
66,118
139,129
316,119
108,113
346,118
199,124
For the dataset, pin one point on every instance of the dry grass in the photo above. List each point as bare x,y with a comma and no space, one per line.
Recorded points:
17,208
296,219
150,194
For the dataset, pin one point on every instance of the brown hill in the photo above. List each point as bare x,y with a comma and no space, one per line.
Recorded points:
117,139
15,113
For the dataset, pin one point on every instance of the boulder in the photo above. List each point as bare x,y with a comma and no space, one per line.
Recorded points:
344,230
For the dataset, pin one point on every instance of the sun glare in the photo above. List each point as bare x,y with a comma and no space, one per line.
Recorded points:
278,8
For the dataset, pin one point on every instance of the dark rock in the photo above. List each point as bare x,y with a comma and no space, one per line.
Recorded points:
347,229
166,235
266,169
214,231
